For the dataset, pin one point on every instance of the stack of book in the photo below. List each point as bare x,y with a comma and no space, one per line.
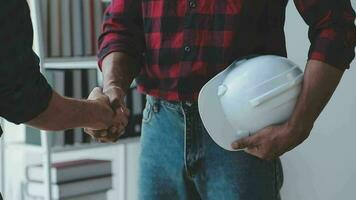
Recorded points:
72,180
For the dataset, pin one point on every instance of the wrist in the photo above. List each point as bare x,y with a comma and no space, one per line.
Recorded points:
302,127
89,108
118,70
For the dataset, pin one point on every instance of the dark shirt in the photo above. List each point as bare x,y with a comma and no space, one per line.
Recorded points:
24,92
183,44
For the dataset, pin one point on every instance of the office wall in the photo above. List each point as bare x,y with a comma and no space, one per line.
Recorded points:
324,166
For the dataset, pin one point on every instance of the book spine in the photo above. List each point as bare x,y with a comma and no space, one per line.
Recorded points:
44,21
98,16
59,86
77,28
88,46
55,29
66,28
77,93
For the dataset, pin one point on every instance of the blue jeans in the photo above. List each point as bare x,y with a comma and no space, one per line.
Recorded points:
179,160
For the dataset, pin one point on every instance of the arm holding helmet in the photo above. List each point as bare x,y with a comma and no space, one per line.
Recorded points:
320,81
333,37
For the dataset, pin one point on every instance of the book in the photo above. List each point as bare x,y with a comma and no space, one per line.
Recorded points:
62,172
88,27
66,28
77,93
44,21
98,16
71,189
55,29
92,196
77,28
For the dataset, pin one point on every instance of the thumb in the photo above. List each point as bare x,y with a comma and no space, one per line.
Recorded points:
95,93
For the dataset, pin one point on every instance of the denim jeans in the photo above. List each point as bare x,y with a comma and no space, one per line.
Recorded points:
179,160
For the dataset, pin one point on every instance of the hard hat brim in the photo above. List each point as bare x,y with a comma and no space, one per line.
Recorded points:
212,115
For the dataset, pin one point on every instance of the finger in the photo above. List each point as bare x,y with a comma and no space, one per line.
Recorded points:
125,110
113,131
120,119
100,133
95,93
97,134
93,133
253,151
118,131
246,142
89,131
107,138
116,135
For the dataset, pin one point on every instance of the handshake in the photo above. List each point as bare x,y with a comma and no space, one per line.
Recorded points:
110,113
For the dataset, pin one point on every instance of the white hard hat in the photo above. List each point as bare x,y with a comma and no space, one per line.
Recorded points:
249,95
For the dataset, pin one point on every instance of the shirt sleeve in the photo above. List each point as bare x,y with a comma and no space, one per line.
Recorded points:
24,92
332,31
122,30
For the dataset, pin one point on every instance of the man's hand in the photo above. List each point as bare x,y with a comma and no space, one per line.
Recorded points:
320,81
116,97
107,128
273,141
118,74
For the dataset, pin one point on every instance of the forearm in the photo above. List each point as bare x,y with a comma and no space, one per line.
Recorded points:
119,69
320,82
64,113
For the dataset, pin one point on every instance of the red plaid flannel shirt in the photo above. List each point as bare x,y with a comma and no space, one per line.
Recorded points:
184,43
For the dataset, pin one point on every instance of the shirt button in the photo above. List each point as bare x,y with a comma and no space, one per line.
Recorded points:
187,49
192,4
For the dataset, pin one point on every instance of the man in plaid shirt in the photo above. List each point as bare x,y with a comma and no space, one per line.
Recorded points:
174,47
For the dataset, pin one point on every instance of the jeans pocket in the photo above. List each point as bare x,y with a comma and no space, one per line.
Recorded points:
147,113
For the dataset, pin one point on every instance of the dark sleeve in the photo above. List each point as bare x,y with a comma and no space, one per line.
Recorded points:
24,92
332,31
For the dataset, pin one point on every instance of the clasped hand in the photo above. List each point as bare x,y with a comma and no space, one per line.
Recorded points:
111,114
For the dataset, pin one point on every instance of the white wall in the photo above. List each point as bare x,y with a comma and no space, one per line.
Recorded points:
323,167
2,158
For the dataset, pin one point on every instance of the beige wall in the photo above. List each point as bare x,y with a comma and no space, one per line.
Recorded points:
324,167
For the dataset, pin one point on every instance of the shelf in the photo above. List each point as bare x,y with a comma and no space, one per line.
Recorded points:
71,63
76,147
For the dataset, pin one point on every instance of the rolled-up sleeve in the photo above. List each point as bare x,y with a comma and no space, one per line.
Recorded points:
332,32
122,30
24,92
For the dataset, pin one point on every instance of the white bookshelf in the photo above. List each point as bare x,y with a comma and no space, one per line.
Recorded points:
70,63
45,150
